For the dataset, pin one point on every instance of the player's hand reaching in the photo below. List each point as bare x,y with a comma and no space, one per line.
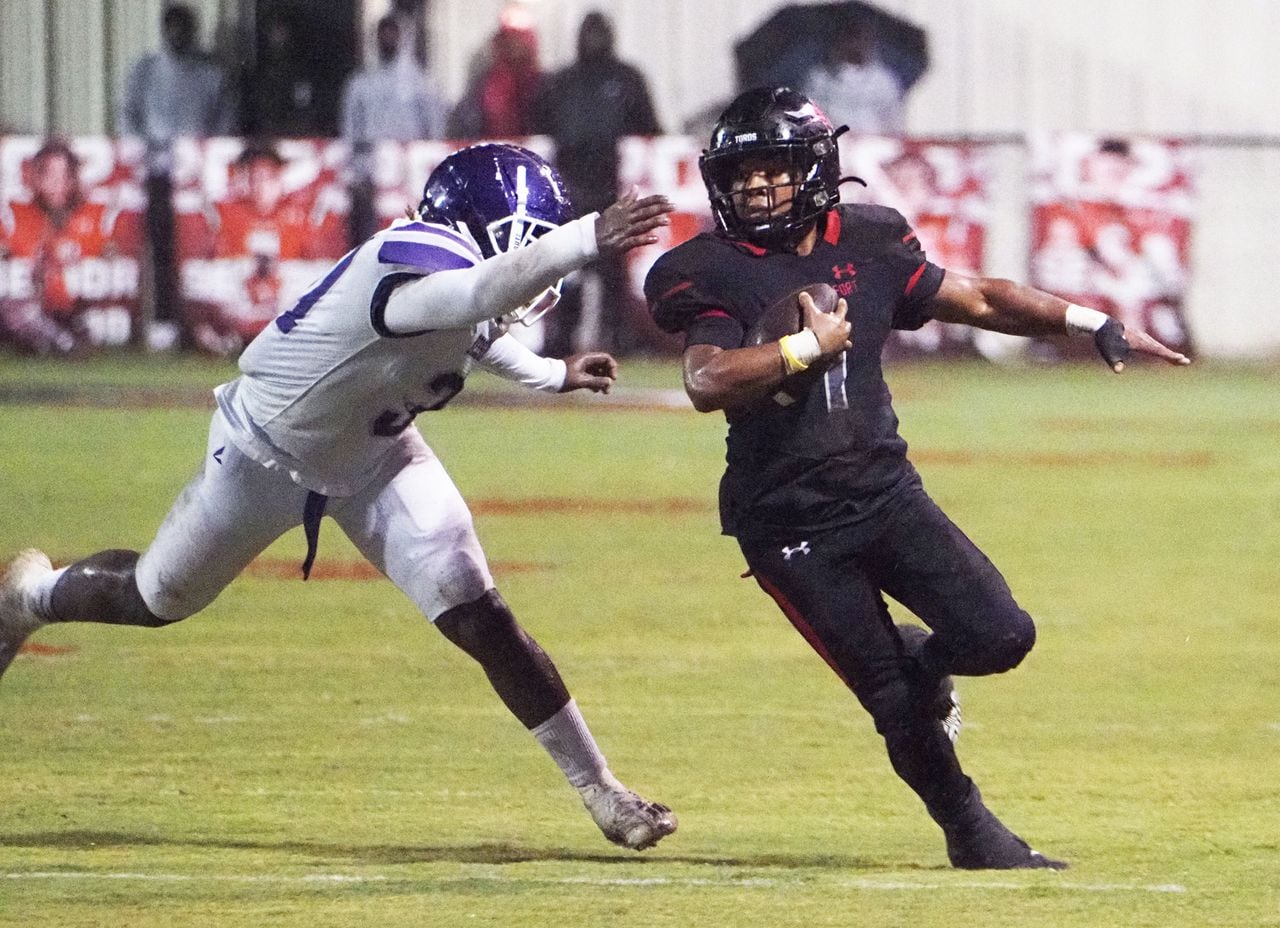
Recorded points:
832,329
591,370
630,222
1115,343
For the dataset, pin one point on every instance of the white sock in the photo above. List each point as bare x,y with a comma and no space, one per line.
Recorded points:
567,739
40,594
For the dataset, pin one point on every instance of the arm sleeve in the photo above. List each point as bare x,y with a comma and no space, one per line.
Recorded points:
451,299
715,327
507,358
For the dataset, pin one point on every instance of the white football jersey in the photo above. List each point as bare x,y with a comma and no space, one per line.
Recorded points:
326,388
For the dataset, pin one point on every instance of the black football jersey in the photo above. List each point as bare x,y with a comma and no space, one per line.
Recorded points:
824,451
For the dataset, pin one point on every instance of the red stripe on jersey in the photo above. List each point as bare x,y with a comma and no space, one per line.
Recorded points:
713,313
676,289
802,626
748,247
915,279
832,235
909,236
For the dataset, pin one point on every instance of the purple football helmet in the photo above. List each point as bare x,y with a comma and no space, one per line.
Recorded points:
504,197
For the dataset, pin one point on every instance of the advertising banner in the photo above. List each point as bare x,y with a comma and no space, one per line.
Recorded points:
256,226
1111,229
70,242
942,190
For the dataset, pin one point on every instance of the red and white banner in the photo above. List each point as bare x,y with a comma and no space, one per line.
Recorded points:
666,165
70,242
1111,228
942,189
256,226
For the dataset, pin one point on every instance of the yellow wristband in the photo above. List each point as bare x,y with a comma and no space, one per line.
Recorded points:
799,350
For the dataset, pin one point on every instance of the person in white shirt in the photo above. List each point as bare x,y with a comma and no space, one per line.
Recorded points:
178,90
320,421
392,99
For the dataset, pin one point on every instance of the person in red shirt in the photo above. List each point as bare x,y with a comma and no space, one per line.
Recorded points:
499,103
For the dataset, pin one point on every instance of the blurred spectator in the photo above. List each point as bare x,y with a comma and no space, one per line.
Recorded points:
390,100
280,94
586,108
412,50
177,90
855,88
384,101
498,103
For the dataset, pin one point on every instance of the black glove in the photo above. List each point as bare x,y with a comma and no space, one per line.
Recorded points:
1111,343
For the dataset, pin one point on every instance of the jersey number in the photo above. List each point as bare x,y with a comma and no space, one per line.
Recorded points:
394,421
834,380
832,384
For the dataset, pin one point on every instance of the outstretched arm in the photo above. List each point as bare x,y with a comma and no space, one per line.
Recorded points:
1016,309
464,296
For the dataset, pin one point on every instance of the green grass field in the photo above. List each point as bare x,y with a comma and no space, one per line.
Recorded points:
317,755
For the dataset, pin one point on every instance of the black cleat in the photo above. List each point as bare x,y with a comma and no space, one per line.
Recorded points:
945,703
980,841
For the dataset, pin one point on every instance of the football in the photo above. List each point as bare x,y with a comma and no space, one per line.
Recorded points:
785,316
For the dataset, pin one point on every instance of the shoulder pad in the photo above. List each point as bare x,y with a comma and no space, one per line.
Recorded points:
427,247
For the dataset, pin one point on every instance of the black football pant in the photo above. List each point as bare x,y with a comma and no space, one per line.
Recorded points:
831,586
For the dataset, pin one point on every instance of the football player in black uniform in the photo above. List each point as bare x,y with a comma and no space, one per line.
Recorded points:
819,493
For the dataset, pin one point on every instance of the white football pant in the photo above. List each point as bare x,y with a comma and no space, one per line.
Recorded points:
410,521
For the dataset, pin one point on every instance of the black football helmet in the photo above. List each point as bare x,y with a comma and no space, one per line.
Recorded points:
783,127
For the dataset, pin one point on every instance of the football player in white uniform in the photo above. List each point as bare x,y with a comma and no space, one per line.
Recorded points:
320,421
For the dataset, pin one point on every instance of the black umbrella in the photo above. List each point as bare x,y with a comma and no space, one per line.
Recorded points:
782,50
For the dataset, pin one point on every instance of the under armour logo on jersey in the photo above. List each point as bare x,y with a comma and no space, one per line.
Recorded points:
841,272
802,548
217,455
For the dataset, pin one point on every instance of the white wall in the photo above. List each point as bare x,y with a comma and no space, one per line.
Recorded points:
1168,66
1173,67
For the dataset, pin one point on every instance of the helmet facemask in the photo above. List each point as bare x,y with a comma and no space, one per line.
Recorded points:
516,231
787,131
755,213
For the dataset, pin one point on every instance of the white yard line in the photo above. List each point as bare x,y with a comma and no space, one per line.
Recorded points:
859,884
